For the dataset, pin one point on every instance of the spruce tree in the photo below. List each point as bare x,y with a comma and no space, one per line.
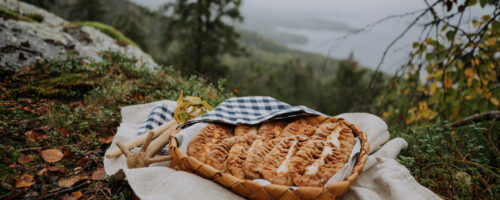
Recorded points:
202,31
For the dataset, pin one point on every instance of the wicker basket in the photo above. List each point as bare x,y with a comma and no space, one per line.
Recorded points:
253,190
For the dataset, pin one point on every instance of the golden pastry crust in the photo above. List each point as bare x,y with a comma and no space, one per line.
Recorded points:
202,143
218,155
276,165
271,130
241,130
299,127
315,163
305,152
258,150
338,134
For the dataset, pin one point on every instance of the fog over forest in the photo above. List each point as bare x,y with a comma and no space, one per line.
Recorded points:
316,26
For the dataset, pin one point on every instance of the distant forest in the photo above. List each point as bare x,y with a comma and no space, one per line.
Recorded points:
261,66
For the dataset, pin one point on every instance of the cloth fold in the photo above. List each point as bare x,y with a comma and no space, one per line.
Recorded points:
382,177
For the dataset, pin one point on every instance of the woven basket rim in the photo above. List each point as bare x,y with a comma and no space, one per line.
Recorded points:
187,163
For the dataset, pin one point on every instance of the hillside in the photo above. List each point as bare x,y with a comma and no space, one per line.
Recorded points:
139,23
61,94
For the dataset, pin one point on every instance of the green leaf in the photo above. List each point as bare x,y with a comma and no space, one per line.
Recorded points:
450,35
429,56
183,116
416,44
483,3
495,25
444,27
472,2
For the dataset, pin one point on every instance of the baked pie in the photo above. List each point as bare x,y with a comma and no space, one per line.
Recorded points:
303,152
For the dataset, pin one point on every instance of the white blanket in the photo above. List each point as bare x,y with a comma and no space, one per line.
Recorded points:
382,177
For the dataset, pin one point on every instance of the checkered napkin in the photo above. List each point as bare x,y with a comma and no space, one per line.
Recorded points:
238,110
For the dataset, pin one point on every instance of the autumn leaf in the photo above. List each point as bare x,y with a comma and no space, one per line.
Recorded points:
106,140
42,171
25,180
57,169
432,88
98,174
491,41
494,101
63,131
45,128
70,181
447,82
52,155
25,159
31,135
73,196
27,109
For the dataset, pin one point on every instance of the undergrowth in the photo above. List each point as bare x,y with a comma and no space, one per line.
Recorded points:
74,106
456,163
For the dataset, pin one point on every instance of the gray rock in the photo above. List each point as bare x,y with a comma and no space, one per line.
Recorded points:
23,43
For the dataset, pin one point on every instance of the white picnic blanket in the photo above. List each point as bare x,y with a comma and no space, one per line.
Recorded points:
382,177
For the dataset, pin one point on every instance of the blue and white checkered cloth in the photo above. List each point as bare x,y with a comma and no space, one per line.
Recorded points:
238,110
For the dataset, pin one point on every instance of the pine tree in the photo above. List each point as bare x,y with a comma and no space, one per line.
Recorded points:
201,30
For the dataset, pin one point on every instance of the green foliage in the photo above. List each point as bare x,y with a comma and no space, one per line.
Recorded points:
461,76
348,90
202,34
460,163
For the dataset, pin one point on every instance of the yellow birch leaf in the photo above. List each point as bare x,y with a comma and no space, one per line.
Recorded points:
475,62
432,88
491,41
494,101
469,72
447,82
422,106
452,133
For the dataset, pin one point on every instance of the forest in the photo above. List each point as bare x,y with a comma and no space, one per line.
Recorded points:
444,101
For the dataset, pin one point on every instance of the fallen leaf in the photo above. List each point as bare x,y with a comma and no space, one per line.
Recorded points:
42,171
28,109
73,196
46,128
69,181
63,131
25,180
52,155
57,169
12,165
138,96
25,159
42,137
98,174
77,194
31,135
107,140
6,186
28,100
82,161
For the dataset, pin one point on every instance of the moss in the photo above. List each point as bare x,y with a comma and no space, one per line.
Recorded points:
7,14
108,30
35,16
69,86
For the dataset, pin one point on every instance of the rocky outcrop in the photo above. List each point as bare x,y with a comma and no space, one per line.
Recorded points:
22,42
